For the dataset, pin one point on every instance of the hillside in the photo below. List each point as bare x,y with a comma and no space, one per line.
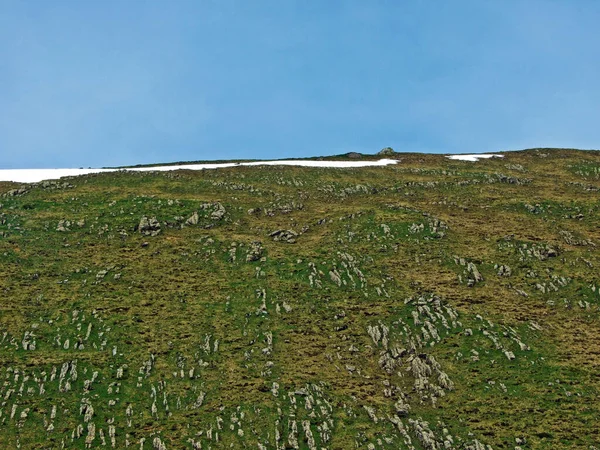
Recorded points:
430,304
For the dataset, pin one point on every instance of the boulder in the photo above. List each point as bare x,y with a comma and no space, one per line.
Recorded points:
149,226
288,236
387,151
218,213
193,219
255,251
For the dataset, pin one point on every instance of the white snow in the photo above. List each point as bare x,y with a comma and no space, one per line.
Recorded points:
36,175
473,158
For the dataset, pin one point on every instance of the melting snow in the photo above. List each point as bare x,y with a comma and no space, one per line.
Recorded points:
36,175
473,157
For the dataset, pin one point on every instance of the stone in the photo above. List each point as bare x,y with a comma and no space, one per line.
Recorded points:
193,219
504,271
63,225
16,192
255,251
149,226
387,151
402,408
218,213
474,276
288,236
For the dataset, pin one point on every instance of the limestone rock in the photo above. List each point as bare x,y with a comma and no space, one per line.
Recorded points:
193,219
288,236
149,226
255,251
504,271
218,213
63,225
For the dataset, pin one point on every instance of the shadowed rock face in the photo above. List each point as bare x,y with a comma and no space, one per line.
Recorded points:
432,304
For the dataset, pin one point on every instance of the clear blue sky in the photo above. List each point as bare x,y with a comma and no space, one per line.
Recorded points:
101,82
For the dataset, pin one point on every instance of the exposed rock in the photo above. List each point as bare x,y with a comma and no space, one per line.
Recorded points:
571,239
149,226
16,192
63,225
474,275
387,151
371,413
193,219
309,436
424,434
504,271
255,251
335,277
218,213
288,236
402,408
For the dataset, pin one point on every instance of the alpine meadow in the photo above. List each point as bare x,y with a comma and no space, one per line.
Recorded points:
430,304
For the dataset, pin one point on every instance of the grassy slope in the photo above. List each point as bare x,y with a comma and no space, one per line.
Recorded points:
184,343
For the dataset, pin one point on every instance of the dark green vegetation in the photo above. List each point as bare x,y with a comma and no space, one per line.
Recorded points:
434,304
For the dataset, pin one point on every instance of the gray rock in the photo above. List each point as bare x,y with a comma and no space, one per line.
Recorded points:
16,192
193,219
149,226
218,213
288,236
387,151
504,271
402,408
474,275
63,225
255,251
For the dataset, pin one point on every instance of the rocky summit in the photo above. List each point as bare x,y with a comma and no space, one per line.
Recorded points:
432,304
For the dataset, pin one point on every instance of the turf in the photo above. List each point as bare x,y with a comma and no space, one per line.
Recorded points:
432,304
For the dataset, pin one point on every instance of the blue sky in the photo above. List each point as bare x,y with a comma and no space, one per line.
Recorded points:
101,82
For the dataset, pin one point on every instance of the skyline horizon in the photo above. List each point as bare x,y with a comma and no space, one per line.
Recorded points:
292,158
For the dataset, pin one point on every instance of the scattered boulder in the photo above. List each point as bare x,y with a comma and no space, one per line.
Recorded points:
63,225
53,184
16,192
402,408
218,213
193,219
571,239
474,275
149,226
255,251
288,236
504,271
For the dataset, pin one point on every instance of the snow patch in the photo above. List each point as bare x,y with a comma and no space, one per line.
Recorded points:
473,157
36,175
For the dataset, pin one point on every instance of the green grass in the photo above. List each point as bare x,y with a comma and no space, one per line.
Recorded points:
197,347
